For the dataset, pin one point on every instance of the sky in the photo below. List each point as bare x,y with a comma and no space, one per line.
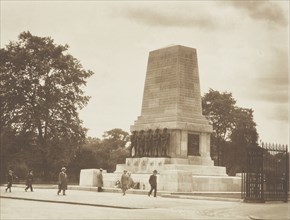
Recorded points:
242,48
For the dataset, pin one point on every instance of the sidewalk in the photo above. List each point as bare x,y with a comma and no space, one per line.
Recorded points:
79,197
177,206
112,198
215,196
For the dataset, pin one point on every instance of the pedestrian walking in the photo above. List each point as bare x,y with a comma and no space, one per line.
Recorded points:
100,182
153,183
62,181
29,181
9,180
124,182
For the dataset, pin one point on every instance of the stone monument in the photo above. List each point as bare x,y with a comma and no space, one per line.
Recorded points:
171,135
172,103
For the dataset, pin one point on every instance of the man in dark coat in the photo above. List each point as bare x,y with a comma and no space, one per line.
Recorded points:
62,181
153,183
9,180
124,182
29,180
100,182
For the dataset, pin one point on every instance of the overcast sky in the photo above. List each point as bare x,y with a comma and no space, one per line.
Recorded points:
242,48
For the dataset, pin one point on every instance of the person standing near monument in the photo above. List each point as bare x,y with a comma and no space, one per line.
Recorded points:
29,181
9,180
62,181
124,182
153,183
100,182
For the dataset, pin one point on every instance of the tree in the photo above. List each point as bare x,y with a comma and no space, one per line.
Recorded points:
219,108
116,138
243,135
234,129
105,153
41,93
115,142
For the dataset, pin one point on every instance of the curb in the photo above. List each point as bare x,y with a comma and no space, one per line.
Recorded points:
202,198
70,203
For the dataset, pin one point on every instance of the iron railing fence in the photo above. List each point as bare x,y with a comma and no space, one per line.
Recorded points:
266,176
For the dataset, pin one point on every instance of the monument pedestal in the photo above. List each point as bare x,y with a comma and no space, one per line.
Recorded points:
180,174
175,181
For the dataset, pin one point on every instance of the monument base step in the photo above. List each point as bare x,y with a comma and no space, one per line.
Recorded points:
185,181
168,180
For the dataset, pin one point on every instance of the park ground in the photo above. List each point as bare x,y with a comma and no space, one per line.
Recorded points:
44,203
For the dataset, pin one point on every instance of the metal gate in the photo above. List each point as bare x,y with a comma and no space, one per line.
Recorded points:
266,174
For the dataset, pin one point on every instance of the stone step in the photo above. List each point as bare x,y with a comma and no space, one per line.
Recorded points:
205,196
198,169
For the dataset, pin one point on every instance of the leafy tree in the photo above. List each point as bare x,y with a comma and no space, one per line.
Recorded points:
117,156
41,93
115,142
219,108
234,129
244,135
105,153
244,132
116,138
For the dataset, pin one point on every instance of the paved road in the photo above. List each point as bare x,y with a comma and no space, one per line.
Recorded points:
41,204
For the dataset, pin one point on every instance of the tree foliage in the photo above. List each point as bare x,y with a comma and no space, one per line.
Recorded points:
234,129
219,109
41,93
105,153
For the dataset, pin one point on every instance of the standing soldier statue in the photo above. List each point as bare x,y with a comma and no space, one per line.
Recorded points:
133,139
148,143
165,138
156,143
141,143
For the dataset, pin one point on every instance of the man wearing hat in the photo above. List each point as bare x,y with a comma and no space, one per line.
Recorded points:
153,183
29,181
100,182
62,181
9,180
124,182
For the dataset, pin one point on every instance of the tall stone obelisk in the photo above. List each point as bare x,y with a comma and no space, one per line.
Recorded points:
172,100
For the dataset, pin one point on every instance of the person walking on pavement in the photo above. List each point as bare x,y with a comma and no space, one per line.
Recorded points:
29,180
100,182
62,181
124,182
9,180
153,183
